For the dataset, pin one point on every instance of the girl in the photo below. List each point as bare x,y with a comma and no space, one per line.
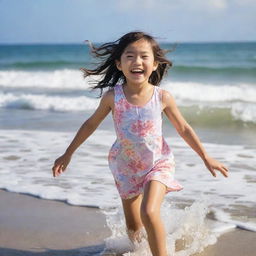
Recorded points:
140,160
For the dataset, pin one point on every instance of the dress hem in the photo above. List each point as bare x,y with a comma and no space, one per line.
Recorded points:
175,188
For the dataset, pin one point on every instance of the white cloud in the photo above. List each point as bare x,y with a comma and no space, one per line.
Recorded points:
219,4
199,5
173,4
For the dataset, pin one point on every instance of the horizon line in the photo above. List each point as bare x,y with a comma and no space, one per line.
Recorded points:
81,43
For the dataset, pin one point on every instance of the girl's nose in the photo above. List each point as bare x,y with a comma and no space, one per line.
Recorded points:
137,59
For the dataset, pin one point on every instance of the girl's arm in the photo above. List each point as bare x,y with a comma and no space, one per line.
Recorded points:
187,133
88,127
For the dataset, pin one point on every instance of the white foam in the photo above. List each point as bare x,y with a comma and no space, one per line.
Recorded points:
224,217
37,150
188,226
220,227
28,156
62,79
199,92
34,154
45,102
183,91
244,111
239,100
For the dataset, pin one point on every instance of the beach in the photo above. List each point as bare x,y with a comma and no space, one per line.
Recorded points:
44,99
32,226
29,225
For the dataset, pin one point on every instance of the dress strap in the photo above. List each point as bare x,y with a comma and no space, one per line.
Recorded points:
158,97
118,92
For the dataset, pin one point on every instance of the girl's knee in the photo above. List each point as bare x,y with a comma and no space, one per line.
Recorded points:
149,213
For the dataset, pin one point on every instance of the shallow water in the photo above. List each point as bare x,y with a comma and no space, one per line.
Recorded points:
27,158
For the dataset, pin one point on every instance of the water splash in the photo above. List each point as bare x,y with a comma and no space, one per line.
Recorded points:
187,231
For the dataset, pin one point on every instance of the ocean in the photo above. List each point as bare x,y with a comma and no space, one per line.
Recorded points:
44,99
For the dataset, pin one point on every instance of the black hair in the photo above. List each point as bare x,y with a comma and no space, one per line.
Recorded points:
112,51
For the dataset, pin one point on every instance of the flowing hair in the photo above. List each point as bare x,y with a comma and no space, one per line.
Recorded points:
108,53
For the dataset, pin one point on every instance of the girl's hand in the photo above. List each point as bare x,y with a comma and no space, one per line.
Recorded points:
212,164
60,164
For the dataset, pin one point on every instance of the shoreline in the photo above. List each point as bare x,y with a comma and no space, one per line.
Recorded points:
33,226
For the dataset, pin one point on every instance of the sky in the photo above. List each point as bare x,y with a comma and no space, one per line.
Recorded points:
73,21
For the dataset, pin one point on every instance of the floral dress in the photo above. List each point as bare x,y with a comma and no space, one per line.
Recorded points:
140,153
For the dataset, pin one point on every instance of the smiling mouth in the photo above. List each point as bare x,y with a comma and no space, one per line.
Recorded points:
137,71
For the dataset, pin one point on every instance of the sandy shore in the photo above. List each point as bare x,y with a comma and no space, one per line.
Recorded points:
32,226
234,243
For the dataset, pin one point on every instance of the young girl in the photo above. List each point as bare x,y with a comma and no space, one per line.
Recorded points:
140,160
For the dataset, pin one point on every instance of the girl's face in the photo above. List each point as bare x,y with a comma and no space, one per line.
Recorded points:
137,62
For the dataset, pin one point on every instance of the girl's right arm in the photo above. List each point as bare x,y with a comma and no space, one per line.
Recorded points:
88,127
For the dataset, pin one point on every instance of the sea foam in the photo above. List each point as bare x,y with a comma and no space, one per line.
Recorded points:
184,91
187,231
28,156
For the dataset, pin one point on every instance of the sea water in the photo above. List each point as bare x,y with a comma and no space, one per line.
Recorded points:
44,100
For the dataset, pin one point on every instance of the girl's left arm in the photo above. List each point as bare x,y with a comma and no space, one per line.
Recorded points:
187,133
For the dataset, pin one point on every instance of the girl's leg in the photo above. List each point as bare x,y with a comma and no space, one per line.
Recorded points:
150,213
132,216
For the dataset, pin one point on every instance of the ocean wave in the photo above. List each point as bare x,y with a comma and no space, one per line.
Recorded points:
45,102
200,112
202,67
33,65
62,79
244,112
73,79
215,69
198,92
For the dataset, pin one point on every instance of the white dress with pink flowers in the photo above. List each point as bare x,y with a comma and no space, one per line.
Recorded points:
140,153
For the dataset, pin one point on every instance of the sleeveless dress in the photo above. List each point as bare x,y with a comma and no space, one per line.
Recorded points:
140,153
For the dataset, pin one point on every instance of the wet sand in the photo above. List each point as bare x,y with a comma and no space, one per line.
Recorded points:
234,243
32,226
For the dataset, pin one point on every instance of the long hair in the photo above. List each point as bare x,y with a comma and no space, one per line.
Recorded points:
108,53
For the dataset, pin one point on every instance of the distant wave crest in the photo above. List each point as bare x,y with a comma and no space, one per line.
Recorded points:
45,102
213,114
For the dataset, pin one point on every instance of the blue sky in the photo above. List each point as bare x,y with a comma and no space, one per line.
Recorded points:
72,21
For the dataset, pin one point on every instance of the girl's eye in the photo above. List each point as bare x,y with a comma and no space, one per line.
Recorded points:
145,56
129,56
